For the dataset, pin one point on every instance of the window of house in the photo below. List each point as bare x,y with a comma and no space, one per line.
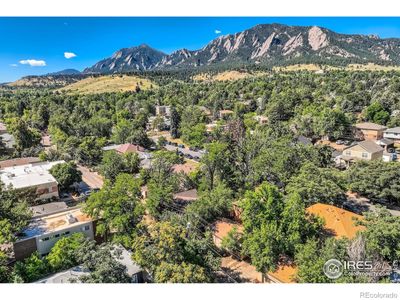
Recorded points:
57,235
86,228
45,239
365,155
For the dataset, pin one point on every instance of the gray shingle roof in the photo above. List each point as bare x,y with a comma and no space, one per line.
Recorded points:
370,126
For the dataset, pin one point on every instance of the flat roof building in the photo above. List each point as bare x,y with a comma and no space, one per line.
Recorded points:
35,175
43,232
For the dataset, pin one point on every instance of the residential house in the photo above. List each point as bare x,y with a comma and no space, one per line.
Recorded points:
43,232
163,110
386,144
129,148
36,175
370,131
134,271
365,150
392,134
145,157
18,162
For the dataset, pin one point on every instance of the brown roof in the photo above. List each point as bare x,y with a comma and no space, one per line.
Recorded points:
337,220
127,148
189,195
18,162
370,126
368,146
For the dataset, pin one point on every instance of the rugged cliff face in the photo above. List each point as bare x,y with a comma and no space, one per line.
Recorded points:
268,43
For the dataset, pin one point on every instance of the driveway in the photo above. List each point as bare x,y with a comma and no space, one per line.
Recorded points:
360,204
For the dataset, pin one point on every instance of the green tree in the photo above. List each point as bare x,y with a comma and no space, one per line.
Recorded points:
101,262
25,137
297,224
118,205
165,246
175,122
132,162
31,268
316,185
180,273
63,254
382,234
211,205
375,112
66,174
112,164
214,160
232,242
89,151
376,180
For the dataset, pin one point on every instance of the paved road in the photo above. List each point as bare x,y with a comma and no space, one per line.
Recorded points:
92,179
173,148
184,151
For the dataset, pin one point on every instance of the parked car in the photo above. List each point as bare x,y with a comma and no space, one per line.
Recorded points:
174,144
65,195
189,156
181,146
347,143
339,142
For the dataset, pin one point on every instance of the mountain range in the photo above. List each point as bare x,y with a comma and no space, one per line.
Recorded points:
266,44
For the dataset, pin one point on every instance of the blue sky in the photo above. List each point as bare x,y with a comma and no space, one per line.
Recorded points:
45,40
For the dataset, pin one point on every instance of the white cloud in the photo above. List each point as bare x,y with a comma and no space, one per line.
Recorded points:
69,55
33,62
217,31
13,65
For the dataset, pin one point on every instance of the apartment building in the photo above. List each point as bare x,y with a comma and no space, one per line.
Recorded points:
43,232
